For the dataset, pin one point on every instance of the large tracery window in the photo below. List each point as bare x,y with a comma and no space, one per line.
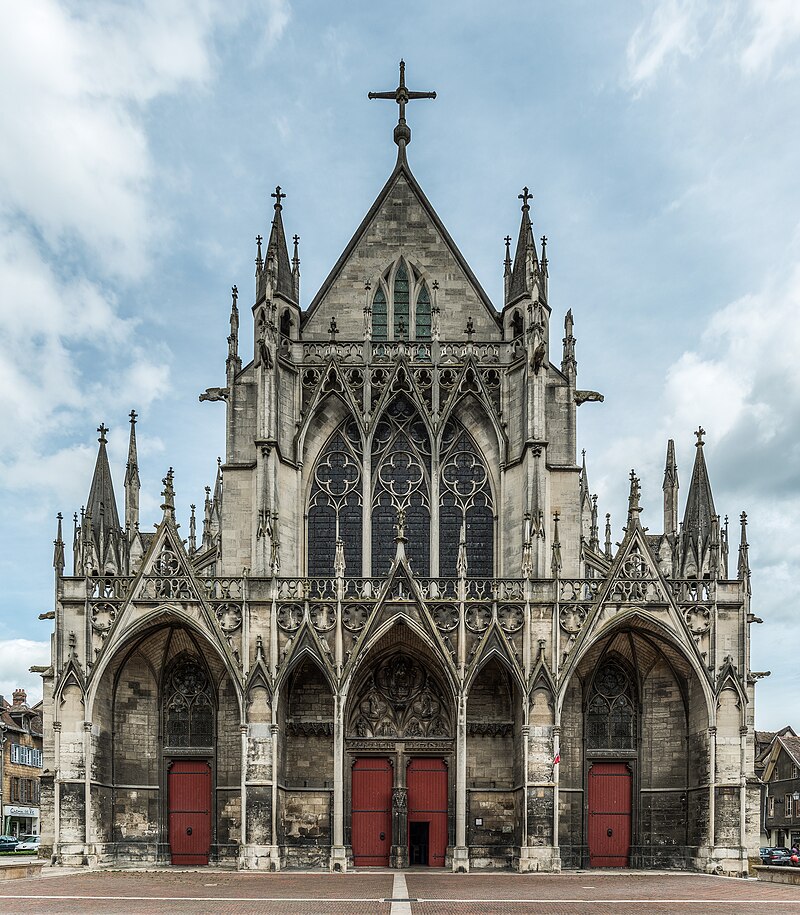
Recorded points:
401,468
188,710
465,499
611,711
334,509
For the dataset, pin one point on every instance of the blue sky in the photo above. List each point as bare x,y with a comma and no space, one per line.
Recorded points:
139,144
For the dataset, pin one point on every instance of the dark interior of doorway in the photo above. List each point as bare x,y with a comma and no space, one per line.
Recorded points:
418,840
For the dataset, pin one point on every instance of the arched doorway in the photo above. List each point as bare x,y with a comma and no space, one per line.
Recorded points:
635,754
167,751
399,742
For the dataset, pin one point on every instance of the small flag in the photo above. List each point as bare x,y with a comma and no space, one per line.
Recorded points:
557,760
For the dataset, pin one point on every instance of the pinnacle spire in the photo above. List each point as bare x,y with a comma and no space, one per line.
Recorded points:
101,503
233,339
296,268
698,516
594,536
168,505
278,250
518,286
634,508
555,563
58,548
670,488
132,481
744,553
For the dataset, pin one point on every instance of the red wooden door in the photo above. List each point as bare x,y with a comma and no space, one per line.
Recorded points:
189,790
609,814
372,812
427,803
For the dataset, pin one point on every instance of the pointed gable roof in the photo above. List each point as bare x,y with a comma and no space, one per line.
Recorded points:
101,502
401,172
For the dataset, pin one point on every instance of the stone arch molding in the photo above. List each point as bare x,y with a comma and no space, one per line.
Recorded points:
648,622
150,622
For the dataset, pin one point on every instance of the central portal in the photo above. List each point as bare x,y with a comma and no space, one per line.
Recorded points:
399,738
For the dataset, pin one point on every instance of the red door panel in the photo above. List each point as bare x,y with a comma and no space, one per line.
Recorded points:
427,803
372,812
609,814
189,791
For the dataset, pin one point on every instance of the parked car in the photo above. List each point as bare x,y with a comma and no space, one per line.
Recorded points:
777,857
28,843
8,843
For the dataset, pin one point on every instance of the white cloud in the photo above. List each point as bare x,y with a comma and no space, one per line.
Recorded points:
776,28
16,657
670,31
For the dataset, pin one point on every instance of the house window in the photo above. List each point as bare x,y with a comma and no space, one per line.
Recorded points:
770,806
787,805
26,756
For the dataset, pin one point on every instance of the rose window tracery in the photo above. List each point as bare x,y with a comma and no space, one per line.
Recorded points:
400,699
611,710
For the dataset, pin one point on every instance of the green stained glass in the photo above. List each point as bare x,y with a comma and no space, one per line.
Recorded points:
401,304
379,316
423,325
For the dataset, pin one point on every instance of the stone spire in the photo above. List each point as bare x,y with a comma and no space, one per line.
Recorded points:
168,505
233,338
569,364
132,482
635,494
607,546
698,518
670,488
744,554
208,537
518,286
101,535
555,562
278,252
594,534
507,270
102,504
192,530
58,548
296,268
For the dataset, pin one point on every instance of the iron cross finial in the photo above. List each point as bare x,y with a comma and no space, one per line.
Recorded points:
133,415
103,430
700,433
401,95
525,196
278,197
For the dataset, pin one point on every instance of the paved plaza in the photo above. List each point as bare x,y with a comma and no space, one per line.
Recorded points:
412,892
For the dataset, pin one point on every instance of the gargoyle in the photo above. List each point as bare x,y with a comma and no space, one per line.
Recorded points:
584,396
213,394
538,357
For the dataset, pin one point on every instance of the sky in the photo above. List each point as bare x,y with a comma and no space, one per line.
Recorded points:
139,144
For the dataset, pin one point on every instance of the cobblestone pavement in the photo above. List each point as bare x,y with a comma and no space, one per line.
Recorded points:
412,892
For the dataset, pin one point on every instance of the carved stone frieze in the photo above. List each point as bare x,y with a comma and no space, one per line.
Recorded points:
490,728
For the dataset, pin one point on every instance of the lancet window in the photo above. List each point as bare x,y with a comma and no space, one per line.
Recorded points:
188,709
466,507
335,504
401,469
401,304
611,711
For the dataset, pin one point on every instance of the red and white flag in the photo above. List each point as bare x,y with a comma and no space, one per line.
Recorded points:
557,760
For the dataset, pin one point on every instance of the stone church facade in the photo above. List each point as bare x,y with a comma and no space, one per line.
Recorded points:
400,633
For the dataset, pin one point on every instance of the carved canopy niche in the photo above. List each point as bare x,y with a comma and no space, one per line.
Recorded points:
400,698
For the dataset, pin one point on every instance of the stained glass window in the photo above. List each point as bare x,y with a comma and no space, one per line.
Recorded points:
401,462
423,316
188,712
611,712
401,303
379,315
334,509
466,498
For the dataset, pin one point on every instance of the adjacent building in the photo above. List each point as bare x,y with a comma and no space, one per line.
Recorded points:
20,764
399,628
781,797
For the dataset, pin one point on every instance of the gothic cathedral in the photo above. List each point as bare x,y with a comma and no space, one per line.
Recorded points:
400,633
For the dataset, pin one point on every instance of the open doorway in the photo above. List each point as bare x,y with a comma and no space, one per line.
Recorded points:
418,842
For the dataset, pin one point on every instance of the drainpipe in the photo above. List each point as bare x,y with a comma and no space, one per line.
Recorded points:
712,783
